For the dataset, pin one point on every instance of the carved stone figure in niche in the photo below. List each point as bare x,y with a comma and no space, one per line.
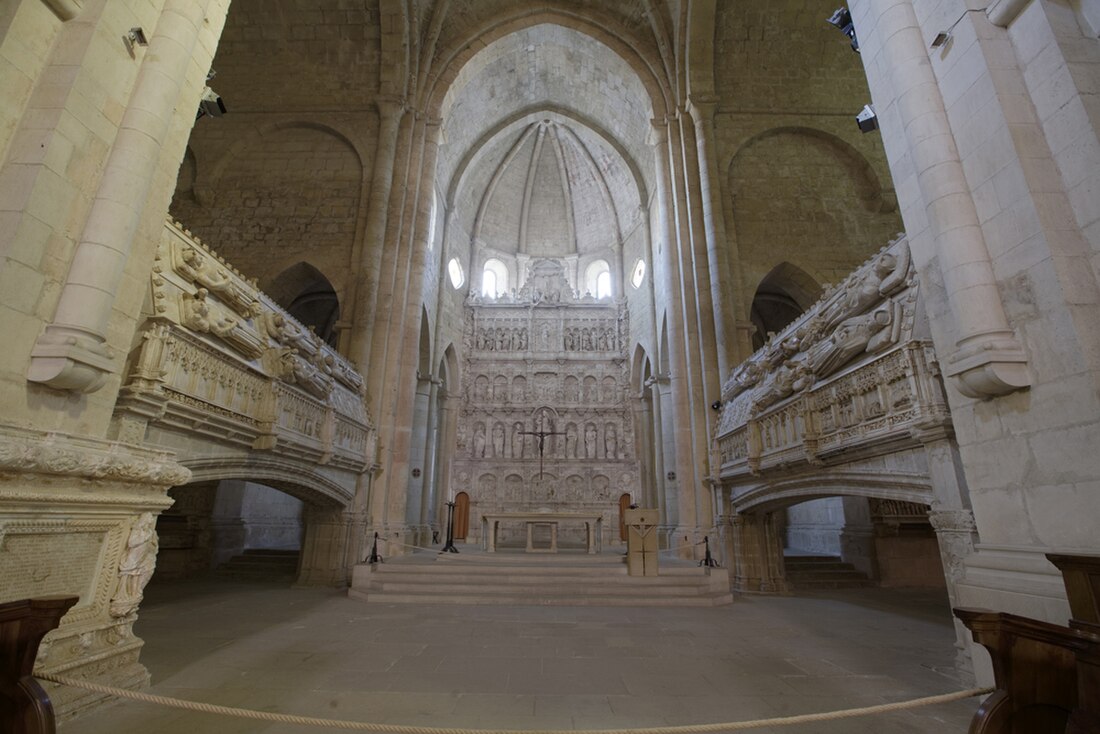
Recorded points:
481,388
568,343
610,442
136,566
746,376
851,338
519,389
591,392
601,487
498,440
779,385
517,440
884,277
574,488
201,316
479,441
487,486
522,340
607,393
296,370
571,441
572,390
590,441
586,340
500,388
203,271
279,328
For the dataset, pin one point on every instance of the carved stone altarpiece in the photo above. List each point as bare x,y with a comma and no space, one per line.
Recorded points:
544,366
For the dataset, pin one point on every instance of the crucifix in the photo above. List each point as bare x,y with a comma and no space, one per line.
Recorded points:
542,441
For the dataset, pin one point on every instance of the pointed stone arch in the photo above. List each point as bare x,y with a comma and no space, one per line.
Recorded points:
781,297
308,296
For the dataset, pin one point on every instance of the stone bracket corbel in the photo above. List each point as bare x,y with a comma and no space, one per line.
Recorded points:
989,366
70,358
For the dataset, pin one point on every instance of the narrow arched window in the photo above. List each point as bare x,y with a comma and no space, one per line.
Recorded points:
603,285
494,278
597,279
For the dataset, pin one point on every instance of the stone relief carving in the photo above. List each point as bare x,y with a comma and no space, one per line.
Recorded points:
39,452
871,312
854,369
136,567
214,299
217,346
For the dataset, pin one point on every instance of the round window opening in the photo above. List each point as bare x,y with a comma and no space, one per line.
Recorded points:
454,269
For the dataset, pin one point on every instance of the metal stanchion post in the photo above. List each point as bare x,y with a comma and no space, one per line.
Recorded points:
450,547
374,557
708,560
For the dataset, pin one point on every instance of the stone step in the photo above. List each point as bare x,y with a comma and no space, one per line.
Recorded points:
259,564
484,598
823,572
539,579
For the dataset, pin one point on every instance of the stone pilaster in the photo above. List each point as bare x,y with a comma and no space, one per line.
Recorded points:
957,534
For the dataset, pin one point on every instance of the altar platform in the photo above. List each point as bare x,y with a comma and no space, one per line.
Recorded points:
570,577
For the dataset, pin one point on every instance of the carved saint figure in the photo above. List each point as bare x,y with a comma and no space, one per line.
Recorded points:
590,441
479,441
498,440
517,440
136,567
571,441
610,442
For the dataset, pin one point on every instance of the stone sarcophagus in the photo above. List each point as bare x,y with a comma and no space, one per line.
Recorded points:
221,372
856,370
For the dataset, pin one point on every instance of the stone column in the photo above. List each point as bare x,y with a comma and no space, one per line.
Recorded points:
390,114
72,353
403,361
725,299
987,360
668,271
699,356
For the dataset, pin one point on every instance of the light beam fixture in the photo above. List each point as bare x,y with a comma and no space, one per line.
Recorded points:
135,37
842,19
866,119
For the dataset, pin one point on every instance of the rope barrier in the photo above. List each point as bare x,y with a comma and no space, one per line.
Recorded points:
208,708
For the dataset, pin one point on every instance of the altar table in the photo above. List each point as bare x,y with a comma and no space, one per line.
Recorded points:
593,521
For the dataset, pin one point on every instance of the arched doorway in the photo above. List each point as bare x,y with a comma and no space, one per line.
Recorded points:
462,516
624,505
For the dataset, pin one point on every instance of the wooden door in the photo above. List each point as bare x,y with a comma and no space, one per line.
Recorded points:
624,505
462,515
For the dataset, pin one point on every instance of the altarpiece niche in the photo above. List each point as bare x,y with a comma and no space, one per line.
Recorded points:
545,423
